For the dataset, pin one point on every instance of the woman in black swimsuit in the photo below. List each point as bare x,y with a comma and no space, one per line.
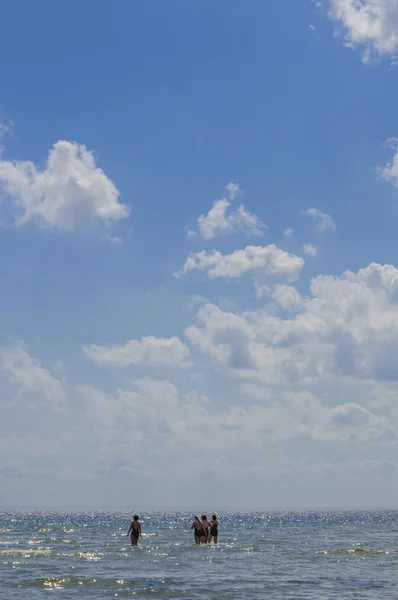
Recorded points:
213,529
135,530
199,530
206,524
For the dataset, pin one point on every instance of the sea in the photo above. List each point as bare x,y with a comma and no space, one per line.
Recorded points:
314,554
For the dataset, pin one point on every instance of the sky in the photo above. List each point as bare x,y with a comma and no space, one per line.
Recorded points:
198,254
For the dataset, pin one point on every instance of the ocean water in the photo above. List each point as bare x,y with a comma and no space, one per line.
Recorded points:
273,555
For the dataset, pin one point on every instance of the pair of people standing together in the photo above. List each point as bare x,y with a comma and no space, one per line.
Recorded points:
205,530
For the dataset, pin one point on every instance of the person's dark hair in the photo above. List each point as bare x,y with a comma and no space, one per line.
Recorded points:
136,517
204,517
214,517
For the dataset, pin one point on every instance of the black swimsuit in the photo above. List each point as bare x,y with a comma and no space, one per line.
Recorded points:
214,530
135,533
199,532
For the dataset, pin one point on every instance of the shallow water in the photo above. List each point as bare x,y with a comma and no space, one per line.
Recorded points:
276,555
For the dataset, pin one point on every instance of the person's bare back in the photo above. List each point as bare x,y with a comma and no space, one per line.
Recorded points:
135,530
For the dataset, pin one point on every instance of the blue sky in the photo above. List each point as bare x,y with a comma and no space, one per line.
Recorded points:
198,250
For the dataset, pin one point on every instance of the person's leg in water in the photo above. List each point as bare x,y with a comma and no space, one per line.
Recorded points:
134,537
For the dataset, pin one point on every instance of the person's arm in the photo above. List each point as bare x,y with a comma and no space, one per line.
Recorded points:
193,525
139,528
131,528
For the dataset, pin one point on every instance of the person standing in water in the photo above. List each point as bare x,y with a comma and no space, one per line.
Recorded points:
135,530
213,529
206,527
198,528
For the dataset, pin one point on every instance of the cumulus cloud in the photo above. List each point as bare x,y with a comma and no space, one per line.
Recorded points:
323,221
351,415
286,296
28,374
152,425
301,415
149,351
372,24
225,336
309,249
69,193
219,220
169,440
269,265
346,328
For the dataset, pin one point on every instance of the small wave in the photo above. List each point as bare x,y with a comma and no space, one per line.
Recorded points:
19,552
64,582
87,555
61,582
358,551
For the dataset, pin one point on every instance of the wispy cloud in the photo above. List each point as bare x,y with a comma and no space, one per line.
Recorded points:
324,222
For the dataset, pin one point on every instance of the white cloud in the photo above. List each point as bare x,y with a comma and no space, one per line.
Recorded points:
218,221
4,130
152,426
150,351
227,337
292,415
286,296
32,445
233,189
390,172
288,232
351,415
310,250
169,441
71,191
28,374
372,24
113,239
323,221
269,265
346,329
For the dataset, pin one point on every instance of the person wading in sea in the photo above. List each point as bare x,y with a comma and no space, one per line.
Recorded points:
135,530
206,526
213,529
199,530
